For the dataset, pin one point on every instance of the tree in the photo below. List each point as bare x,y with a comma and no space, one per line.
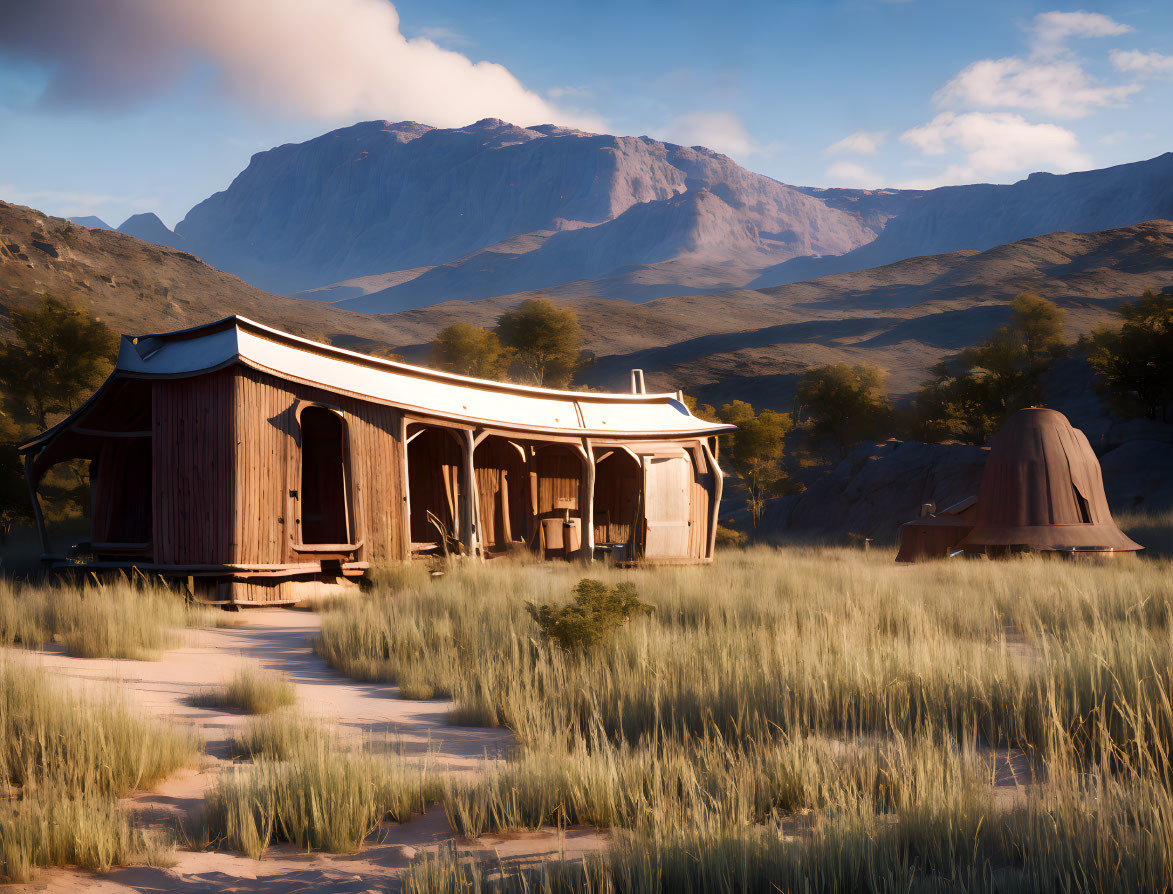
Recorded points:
844,403
755,453
545,340
972,394
701,411
469,350
59,355
1038,324
1134,364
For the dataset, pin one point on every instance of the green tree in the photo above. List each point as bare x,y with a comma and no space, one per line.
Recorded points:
844,404
1038,324
701,411
545,341
1134,364
972,394
755,452
469,350
59,355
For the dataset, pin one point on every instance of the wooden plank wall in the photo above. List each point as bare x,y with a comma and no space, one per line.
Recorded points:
269,466
193,463
559,472
502,477
617,486
434,462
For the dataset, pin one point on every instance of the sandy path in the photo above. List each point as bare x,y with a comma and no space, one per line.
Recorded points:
280,640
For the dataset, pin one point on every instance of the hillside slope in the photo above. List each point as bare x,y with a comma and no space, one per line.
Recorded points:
753,344
138,287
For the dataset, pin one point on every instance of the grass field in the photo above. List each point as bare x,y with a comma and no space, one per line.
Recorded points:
64,761
807,717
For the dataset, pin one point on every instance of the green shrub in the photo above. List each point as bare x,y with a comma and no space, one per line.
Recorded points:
596,612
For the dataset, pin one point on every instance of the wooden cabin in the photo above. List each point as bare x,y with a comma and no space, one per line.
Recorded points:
254,466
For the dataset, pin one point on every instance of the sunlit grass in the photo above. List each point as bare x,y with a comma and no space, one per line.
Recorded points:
805,718
251,690
117,620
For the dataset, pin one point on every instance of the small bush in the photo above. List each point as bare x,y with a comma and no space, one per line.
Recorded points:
251,691
730,536
596,612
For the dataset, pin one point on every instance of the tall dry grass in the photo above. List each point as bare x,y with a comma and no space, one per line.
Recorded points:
64,761
119,620
806,719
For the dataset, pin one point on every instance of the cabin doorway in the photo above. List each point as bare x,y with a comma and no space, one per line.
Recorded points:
617,490
325,484
434,460
503,487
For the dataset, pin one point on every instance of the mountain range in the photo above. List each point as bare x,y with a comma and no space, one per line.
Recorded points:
749,344
383,217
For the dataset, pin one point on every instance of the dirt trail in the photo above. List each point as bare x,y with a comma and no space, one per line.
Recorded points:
281,640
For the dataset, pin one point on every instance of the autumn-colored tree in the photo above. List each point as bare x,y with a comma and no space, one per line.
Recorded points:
844,404
755,452
1134,363
470,350
58,356
545,341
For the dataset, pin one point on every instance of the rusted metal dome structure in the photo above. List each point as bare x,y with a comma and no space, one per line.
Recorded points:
1042,489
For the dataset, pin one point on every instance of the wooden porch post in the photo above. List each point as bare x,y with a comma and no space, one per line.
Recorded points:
588,509
38,516
718,486
468,508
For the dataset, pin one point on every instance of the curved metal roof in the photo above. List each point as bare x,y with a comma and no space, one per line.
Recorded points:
202,349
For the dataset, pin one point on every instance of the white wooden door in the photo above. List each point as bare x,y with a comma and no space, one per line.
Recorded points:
667,504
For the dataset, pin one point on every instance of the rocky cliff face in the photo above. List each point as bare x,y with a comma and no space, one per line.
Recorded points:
378,197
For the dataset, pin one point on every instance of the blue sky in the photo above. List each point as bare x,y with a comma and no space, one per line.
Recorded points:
141,105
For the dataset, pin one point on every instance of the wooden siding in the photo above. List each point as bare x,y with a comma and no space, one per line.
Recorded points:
617,487
502,486
268,447
193,466
434,460
558,472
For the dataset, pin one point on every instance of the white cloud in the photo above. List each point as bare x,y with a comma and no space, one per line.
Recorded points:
1142,65
440,34
862,142
333,60
1052,30
852,174
720,131
984,146
1062,89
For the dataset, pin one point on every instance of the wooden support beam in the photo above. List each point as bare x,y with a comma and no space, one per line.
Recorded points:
468,505
38,516
718,486
587,510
